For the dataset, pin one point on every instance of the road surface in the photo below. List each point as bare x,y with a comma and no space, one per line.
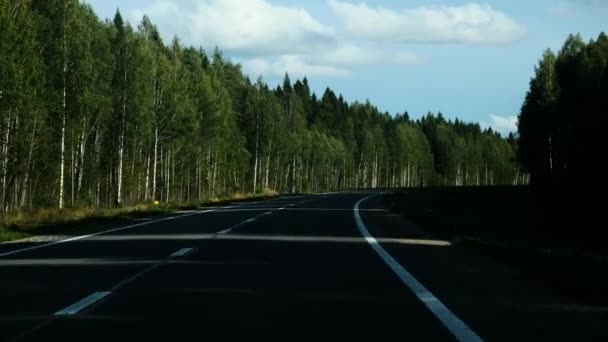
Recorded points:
324,267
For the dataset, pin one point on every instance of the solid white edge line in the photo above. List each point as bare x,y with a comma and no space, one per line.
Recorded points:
182,252
454,324
99,233
76,238
83,303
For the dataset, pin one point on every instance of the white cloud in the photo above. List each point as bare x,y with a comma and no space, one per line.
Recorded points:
248,27
470,23
354,55
295,65
270,39
502,124
336,62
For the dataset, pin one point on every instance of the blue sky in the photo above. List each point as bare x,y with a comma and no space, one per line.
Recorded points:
467,59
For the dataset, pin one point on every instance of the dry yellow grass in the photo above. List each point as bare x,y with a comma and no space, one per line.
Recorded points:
25,223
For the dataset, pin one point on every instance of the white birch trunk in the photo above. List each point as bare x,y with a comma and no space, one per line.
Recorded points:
121,146
255,165
63,122
293,175
154,164
28,169
147,181
168,175
7,135
64,109
81,155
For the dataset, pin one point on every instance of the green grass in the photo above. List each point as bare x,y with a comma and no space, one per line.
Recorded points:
546,235
50,221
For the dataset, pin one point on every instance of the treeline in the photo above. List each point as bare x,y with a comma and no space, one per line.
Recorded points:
96,113
560,135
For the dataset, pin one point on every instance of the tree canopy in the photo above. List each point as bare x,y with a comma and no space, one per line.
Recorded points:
99,113
558,138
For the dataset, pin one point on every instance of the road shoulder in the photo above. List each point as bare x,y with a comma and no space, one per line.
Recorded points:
473,285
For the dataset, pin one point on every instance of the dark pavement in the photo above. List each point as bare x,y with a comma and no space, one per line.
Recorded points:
292,268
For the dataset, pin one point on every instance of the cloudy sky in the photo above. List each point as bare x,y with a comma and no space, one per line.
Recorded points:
471,60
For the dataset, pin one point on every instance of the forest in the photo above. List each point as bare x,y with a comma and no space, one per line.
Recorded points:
558,139
97,113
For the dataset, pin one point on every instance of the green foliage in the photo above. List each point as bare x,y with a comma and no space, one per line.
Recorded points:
98,114
557,139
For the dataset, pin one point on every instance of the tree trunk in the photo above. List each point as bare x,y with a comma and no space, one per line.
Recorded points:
72,174
81,155
266,181
147,181
154,164
267,172
213,177
64,107
168,178
5,151
209,172
255,164
293,175
62,157
28,168
121,146
277,180
486,178
375,175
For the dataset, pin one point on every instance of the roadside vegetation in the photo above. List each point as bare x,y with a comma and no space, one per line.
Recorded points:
30,223
104,113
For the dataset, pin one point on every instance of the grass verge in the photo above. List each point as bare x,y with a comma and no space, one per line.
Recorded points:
24,224
542,234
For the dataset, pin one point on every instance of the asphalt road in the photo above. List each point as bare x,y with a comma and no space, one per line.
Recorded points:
292,268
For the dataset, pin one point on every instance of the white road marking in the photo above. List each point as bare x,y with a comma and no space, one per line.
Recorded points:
253,219
185,211
454,324
76,238
97,296
332,239
98,233
290,208
337,210
182,252
228,230
83,304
